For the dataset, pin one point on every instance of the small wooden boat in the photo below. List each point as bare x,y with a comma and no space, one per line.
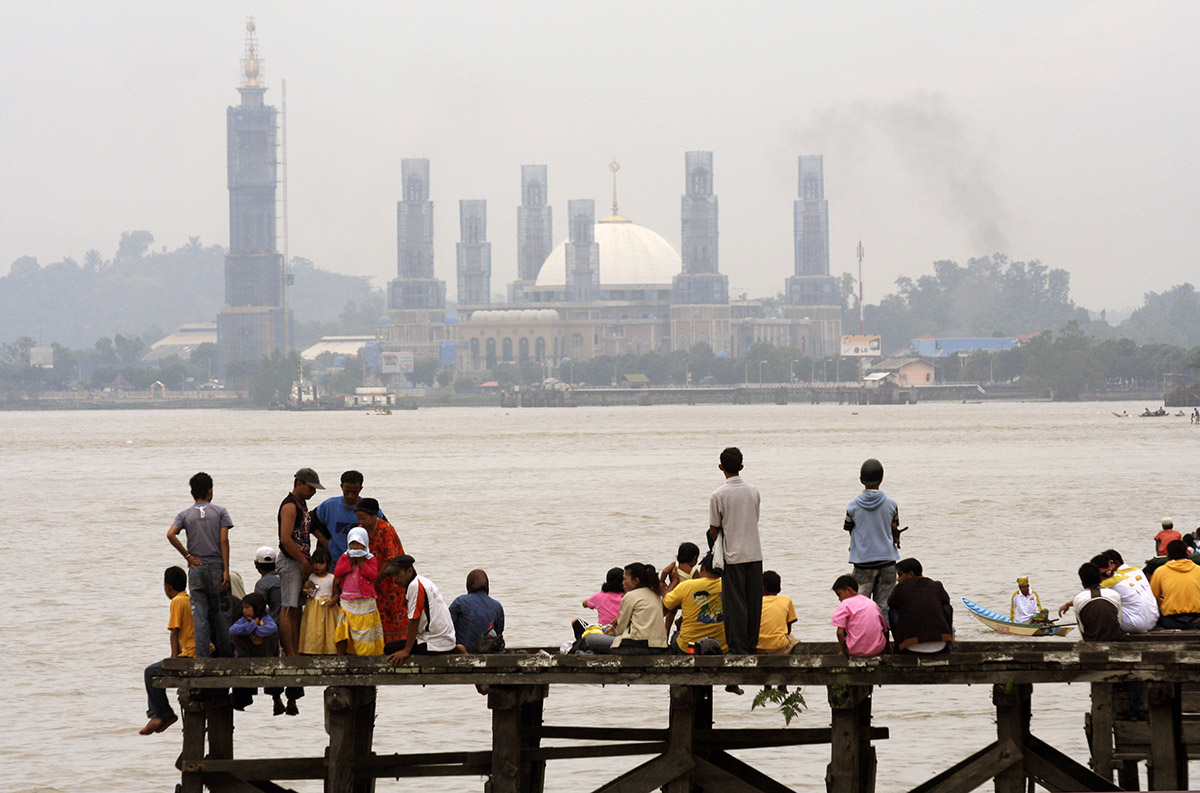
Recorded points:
1002,624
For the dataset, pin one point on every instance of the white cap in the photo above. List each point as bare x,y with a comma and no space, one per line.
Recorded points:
265,555
1167,523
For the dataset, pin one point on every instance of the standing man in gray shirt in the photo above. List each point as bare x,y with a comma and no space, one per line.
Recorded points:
207,554
733,511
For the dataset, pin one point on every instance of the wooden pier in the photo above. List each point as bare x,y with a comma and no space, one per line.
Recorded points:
689,752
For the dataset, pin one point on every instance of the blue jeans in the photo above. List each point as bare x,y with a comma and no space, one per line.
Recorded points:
158,706
210,609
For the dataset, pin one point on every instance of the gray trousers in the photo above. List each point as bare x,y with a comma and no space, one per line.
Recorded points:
876,583
741,604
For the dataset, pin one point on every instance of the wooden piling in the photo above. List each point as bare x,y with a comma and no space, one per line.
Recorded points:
1100,729
191,702
852,764
1013,703
350,715
516,735
1167,767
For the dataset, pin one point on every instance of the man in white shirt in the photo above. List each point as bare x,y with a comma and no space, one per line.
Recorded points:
430,627
733,512
1026,604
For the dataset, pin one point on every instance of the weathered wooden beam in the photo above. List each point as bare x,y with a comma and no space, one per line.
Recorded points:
852,765
350,716
1167,764
681,732
544,753
191,702
650,775
971,772
1059,773
1100,730
744,773
218,713
263,769
425,764
1013,711
516,727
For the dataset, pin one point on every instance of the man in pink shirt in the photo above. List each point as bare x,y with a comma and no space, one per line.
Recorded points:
861,629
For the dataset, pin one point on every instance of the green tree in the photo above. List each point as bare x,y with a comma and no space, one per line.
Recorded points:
271,381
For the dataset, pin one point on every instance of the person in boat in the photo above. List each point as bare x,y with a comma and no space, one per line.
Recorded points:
873,520
919,611
1177,587
1026,604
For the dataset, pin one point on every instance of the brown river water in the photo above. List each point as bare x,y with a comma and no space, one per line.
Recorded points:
546,500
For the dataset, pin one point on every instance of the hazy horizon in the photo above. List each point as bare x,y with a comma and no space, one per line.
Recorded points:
1058,132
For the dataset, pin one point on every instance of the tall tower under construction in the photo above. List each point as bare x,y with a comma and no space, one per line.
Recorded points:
535,232
700,282
415,287
255,320
474,255
811,291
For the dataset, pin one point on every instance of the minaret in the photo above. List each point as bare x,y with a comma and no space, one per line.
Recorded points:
474,255
535,237
415,286
700,282
582,251
811,289
254,321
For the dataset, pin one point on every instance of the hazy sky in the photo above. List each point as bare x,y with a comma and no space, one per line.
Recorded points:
1059,131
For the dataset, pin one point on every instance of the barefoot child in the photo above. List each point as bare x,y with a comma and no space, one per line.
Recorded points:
861,629
359,628
183,645
318,625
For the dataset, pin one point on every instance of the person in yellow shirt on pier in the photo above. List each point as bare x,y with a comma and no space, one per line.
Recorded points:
183,645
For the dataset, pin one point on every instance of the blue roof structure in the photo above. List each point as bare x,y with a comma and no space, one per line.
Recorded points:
929,347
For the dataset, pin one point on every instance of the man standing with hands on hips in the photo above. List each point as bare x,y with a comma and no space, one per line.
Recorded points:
733,514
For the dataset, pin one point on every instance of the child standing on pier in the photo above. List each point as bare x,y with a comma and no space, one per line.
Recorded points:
318,625
359,628
183,645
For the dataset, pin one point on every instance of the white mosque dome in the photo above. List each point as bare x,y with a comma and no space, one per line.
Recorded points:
630,255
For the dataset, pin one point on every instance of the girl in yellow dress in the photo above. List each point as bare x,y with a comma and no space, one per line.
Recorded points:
318,625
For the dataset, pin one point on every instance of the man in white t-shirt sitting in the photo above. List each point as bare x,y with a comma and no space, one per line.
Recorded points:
430,627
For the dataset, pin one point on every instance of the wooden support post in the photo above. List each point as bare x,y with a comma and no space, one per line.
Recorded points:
1127,775
516,728
218,710
350,714
1100,730
192,704
1167,764
688,706
1013,703
852,764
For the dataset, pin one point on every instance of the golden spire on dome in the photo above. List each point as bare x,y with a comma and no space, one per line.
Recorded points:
251,65
615,217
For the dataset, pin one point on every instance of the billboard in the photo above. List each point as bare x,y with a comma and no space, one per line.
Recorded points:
860,346
41,357
392,362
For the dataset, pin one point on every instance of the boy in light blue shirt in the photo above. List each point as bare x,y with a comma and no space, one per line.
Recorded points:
873,520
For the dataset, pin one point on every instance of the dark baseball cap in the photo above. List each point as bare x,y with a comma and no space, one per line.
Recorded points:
309,476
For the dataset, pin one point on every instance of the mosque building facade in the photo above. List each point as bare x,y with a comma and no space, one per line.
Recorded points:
612,287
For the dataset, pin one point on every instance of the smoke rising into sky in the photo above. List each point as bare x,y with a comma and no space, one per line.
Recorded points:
1061,132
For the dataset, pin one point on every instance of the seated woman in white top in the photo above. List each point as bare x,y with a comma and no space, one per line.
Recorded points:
640,628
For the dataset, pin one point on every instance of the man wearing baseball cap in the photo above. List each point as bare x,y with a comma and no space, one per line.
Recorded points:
292,563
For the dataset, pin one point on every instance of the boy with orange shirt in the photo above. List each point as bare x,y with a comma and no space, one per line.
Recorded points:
183,645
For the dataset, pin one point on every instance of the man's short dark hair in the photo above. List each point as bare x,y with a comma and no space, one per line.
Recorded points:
201,484
689,552
1089,575
176,578
1114,556
1101,560
845,582
352,477
772,583
909,566
1176,549
731,460
871,473
398,563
